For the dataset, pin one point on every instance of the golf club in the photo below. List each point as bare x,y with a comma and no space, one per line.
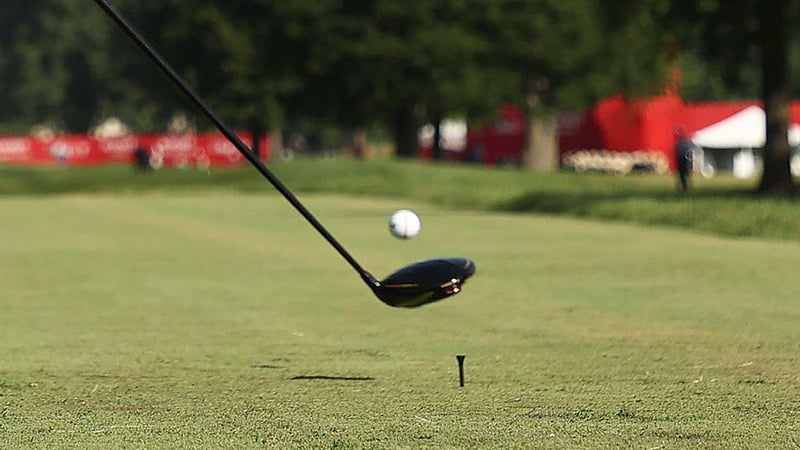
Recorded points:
414,285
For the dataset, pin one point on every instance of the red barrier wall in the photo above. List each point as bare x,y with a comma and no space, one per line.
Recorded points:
169,150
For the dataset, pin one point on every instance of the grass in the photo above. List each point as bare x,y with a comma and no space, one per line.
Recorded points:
721,206
216,318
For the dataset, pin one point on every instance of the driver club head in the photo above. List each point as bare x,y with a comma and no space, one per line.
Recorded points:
424,282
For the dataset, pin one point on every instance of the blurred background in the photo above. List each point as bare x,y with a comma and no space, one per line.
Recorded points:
584,85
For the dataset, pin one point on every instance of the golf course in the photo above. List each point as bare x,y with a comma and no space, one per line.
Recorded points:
193,309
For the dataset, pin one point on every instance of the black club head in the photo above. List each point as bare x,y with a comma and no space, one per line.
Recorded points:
424,282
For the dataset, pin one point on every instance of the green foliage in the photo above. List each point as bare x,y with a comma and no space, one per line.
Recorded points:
374,63
704,81
49,62
347,63
719,45
744,33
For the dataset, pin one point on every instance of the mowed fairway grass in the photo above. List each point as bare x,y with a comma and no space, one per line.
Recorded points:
222,320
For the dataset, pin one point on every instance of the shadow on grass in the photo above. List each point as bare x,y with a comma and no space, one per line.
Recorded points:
24,180
582,201
330,378
265,366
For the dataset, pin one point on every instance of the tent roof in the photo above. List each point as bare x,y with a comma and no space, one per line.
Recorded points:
745,129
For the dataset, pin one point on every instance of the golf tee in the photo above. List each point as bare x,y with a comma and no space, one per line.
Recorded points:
460,359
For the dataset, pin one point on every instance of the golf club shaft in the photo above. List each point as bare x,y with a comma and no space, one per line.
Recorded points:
240,146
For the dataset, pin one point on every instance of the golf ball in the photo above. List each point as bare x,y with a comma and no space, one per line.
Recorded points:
404,224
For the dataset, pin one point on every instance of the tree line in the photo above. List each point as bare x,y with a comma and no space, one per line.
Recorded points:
383,64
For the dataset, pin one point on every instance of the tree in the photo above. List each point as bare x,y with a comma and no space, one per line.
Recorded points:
215,46
748,32
47,68
64,65
552,55
773,26
394,62
412,61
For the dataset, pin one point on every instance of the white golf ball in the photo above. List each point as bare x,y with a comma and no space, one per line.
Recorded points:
404,224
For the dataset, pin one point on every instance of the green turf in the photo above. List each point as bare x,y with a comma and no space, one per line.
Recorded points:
722,206
221,320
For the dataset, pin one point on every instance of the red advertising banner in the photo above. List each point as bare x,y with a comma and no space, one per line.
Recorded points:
166,150
17,150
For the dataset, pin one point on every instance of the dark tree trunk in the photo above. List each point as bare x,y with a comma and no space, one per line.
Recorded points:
404,131
436,145
275,143
541,143
358,143
777,177
257,132
81,102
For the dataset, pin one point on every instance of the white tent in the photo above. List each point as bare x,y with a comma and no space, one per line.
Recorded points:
745,129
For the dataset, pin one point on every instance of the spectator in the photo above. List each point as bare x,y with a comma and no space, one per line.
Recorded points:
683,156
141,160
